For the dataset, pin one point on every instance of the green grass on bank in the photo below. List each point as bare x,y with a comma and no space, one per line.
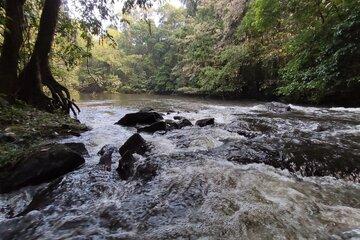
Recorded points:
23,128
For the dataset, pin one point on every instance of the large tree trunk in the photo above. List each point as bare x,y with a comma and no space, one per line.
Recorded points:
37,72
13,40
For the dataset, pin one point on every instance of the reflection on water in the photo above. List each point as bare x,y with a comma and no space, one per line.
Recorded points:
216,182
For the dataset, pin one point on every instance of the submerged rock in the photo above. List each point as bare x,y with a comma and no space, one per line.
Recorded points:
78,147
106,153
142,118
158,126
43,165
107,148
278,107
146,171
126,166
171,125
178,117
205,122
135,144
184,123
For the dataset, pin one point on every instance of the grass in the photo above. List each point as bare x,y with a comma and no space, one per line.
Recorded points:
30,128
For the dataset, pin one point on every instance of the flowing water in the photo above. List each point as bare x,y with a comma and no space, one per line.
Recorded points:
256,174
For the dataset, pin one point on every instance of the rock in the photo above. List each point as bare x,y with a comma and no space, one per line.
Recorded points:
135,144
107,148
78,147
278,107
126,166
146,171
178,117
158,126
8,137
43,165
184,123
171,124
142,118
321,128
205,122
106,153
43,197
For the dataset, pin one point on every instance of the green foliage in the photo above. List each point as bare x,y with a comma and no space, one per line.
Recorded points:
305,51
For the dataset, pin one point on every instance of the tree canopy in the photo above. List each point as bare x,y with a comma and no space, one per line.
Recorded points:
303,51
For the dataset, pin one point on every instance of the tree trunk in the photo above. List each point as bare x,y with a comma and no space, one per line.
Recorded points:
38,73
13,40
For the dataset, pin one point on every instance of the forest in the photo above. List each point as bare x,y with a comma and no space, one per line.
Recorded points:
299,51
305,52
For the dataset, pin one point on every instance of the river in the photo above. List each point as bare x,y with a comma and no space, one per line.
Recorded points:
255,174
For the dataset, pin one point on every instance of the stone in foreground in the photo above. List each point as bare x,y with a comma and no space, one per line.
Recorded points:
43,165
135,144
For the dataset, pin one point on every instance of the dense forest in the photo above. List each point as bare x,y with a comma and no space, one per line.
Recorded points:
299,51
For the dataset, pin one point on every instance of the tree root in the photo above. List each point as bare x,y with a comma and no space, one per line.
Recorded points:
60,96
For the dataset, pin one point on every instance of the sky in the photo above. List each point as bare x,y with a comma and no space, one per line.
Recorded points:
119,4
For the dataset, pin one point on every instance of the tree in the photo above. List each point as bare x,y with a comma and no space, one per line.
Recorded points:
28,85
11,45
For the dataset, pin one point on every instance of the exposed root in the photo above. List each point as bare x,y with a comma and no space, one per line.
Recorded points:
60,94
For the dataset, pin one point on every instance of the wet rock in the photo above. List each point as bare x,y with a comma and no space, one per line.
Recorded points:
306,157
146,171
135,144
171,124
205,122
278,107
126,166
107,148
42,198
106,153
142,118
43,165
184,123
158,126
78,147
321,128
178,117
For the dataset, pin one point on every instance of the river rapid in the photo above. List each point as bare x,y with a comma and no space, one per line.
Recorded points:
255,174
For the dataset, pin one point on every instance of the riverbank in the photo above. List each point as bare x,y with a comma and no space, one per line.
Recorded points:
353,101
24,128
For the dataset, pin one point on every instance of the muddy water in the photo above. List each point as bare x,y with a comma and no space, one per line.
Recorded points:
256,174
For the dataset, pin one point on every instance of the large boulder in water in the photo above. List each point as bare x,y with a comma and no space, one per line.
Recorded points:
205,122
142,118
135,144
78,147
47,163
158,126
